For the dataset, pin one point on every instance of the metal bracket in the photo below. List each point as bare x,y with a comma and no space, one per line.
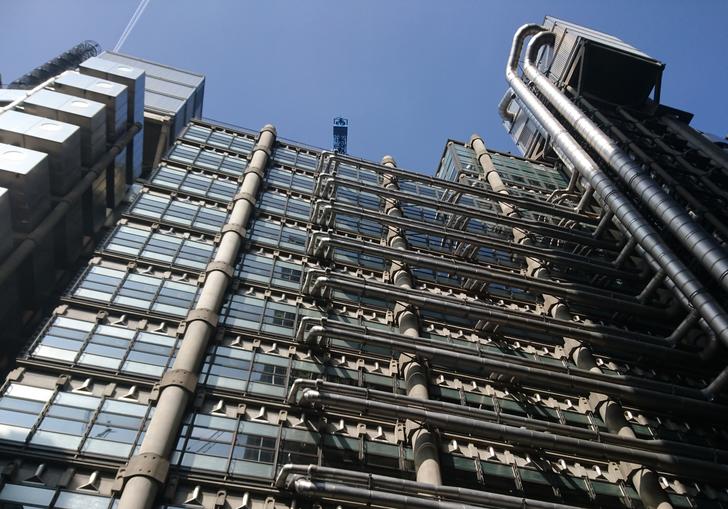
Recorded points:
206,315
257,147
244,196
254,169
223,267
148,465
400,307
187,380
234,227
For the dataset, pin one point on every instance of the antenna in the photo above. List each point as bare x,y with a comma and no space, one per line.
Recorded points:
341,132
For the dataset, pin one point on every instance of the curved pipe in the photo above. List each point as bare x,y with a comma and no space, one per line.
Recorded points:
307,486
694,468
624,210
658,396
716,456
578,292
634,343
503,106
691,235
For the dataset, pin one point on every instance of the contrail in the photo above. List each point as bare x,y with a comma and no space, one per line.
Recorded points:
132,22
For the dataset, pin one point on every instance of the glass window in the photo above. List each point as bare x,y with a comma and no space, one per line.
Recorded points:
72,421
136,291
38,497
178,212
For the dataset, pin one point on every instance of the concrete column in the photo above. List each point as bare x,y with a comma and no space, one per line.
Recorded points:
424,444
612,413
146,472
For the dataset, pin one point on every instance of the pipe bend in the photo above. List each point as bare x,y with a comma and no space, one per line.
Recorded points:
538,41
517,46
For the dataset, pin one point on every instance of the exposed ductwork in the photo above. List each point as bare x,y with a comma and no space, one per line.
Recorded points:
652,394
695,239
643,233
394,492
468,420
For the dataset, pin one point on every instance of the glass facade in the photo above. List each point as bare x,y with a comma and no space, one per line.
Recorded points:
361,315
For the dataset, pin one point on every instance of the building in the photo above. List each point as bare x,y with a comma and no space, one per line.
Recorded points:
269,325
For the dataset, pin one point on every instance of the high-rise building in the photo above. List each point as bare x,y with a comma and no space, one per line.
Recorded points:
266,325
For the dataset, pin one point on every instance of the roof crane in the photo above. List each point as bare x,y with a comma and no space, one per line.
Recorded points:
341,132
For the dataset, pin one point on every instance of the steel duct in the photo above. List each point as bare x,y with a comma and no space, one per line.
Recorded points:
624,210
695,239
712,472
289,477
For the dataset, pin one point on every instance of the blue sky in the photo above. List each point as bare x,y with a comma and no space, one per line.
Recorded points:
407,73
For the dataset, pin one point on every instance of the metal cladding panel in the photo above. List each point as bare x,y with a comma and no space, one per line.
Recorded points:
159,71
6,225
68,237
565,45
164,103
113,95
94,205
61,141
116,180
170,88
25,173
606,63
593,35
8,95
133,78
89,116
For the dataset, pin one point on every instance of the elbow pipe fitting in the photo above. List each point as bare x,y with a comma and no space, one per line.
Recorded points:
665,209
506,115
626,212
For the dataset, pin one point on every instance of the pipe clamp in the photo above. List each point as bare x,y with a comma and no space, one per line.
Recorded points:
151,466
187,380
223,267
244,196
234,227
206,315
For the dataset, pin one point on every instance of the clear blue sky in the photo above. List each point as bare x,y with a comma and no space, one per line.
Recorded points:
407,73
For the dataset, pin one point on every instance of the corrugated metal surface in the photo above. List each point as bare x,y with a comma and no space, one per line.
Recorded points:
565,48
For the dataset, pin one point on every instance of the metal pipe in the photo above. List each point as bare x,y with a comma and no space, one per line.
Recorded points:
697,140
693,237
651,286
625,211
339,491
582,293
634,343
526,202
544,229
683,193
407,486
65,203
140,488
679,449
582,355
693,468
424,443
659,396
503,106
552,255
28,93
453,355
